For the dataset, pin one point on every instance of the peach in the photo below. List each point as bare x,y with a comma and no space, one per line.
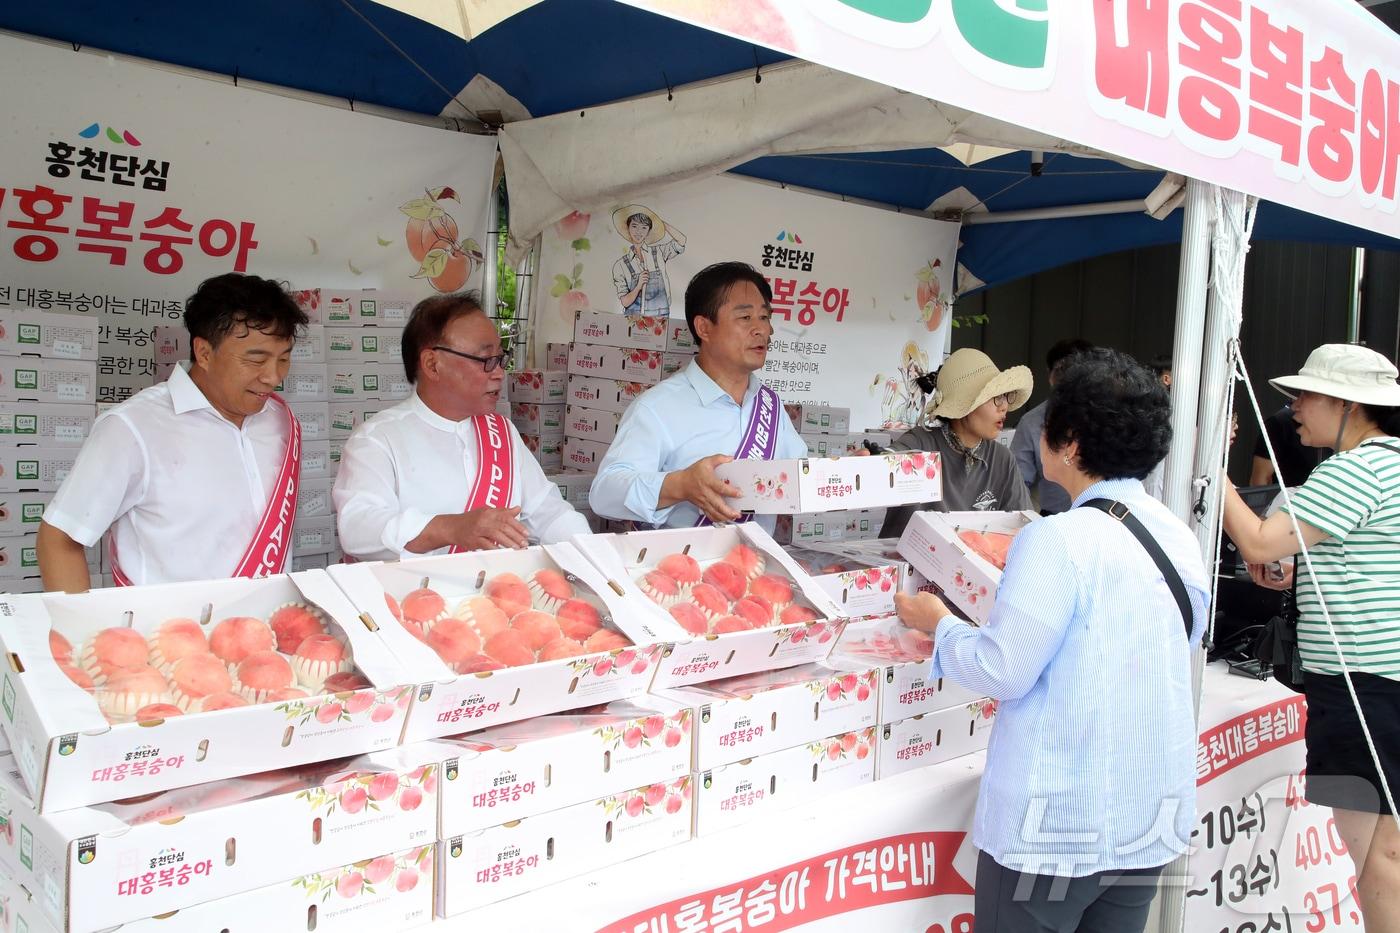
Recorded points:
578,619
225,700
632,736
262,672
329,713
381,713
774,589
635,805
357,703
572,226
423,607
606,639
317,658
746,559
76,675
510,593
602,667
455,271
727,624
426,234
550,588
406,880
848,741
653,725
690,618
561,648
345,681
454,640
114,649
60,647
176,639
539,628
682,568
130,689
410,799
754,610
672,738
711,602
282,696
484,614
797,614
293,623
573,301
674,804
478,664
198,677
660,588
727,578
157,711
236,637
510,648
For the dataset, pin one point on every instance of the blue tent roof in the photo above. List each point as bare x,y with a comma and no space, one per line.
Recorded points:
546,58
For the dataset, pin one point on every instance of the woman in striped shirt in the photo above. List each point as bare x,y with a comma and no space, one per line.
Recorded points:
1348,513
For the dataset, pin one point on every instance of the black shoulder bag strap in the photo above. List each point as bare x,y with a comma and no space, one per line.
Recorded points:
1154,550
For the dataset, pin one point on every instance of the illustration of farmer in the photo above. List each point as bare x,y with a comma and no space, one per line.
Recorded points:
903,400
640,275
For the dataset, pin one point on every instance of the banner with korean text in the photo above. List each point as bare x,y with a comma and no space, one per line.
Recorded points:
123,186
1262,857
861,296
1298,103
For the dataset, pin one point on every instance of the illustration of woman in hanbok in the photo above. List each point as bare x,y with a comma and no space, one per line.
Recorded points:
643,288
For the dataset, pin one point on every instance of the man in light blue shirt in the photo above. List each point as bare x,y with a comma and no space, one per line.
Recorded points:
660,468
1025,444
1089,788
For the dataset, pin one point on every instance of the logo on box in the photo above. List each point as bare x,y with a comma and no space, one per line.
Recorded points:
26,379
27,469
29,333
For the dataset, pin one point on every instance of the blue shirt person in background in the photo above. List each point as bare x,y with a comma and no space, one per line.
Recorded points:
660,469
1090,782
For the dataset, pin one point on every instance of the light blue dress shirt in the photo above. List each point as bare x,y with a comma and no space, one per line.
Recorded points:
682,420
1091,765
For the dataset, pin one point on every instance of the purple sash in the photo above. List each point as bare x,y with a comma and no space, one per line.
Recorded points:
760,441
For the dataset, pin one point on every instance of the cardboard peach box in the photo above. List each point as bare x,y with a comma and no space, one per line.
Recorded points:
47,334
70,755
447,702
930,738
368,344
603,394
573,487
36,468
46,423
316,459
388,892
36,379
556,357
314,497
647,367
522,769
816,485
862,587
755,714
313,535
548,449
305,382
738,793
611,329
903,655
593,424
21,512
537,387
545,420
969,581
118,862
344,417
819,419
623,558
583,454
314,418
493,864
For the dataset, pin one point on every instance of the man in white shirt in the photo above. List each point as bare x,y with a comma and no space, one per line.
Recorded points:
660,469
195,476
441,471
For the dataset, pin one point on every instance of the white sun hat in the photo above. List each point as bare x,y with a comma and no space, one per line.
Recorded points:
1345,371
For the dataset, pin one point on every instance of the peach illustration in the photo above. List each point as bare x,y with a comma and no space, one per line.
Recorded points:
625,658
572,301
635,805
357,703
430,233
862,751
654,794
406,880
383,786
640,667
381,713
833,691
602,667
848,741
410,799
652,726
573,226
349,885
329,713
430,782
833,751
353,799
632,737
673,738
379,869
862,693
674,804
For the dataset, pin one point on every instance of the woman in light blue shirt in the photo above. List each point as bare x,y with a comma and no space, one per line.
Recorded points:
1089,788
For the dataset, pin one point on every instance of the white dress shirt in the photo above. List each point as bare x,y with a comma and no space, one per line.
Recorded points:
182,487
670,426
407,465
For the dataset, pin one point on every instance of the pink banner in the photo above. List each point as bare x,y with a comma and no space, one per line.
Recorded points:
1295,103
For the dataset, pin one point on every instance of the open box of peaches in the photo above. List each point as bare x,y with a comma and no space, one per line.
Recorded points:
491,637
122,692
729,599
963,553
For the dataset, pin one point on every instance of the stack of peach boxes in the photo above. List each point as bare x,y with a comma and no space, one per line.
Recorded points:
48,382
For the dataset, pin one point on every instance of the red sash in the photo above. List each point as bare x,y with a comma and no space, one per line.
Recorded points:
271,545
495,472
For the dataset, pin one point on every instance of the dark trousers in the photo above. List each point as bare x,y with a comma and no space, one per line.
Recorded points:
1010,901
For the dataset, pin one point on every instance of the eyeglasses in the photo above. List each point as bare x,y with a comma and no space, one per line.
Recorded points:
488,363
1003,400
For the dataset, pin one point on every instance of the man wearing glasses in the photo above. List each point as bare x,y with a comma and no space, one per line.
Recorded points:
442,471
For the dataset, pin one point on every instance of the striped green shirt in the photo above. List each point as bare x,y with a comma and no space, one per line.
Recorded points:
1354,497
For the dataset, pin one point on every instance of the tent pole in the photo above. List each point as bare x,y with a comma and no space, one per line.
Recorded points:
1186,346
493,236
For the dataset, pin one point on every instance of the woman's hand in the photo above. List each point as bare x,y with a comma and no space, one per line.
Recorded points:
922,611
1271,579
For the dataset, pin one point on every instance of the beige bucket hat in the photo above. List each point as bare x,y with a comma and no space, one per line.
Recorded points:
969,378
1345,371
658,226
